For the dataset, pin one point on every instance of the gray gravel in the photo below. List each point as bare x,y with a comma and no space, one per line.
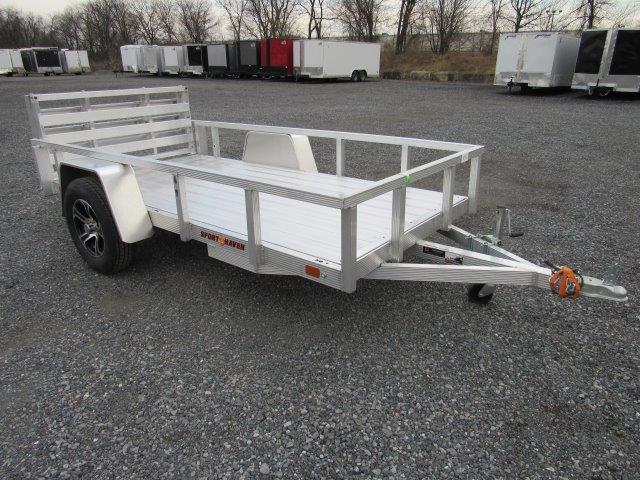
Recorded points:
184,367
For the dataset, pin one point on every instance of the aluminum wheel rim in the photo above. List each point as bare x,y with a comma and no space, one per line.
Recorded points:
88,228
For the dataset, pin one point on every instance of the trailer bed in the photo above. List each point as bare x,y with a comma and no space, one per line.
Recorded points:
294,225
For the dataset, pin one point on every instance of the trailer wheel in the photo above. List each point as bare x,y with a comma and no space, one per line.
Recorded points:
93,229
355,76
481,293
363,75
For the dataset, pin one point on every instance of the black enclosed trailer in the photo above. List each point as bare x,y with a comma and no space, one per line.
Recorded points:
245,58
195,59
45,60
608,60
218,59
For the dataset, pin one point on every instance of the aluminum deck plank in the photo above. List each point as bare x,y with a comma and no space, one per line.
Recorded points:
292,224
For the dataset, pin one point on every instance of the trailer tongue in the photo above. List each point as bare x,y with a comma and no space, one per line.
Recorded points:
135,160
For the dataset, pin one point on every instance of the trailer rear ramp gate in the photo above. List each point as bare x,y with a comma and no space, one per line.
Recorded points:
139,151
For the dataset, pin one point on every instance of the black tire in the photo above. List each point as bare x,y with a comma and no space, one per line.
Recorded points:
102,247
363,75
355,76
476,295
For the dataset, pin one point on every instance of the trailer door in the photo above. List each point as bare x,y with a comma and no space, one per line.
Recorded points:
510,53
626,53
5,60
591,50
47,58
538,53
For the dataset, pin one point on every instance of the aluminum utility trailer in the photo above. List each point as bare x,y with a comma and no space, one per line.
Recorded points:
126,161
608,61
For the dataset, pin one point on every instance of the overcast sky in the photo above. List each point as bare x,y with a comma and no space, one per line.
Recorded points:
41,7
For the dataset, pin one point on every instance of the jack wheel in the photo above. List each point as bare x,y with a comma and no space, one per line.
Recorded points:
481,293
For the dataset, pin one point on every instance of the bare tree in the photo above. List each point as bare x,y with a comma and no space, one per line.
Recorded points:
360,19
67,28
443,20
195,20
147,20
18,29
167,13
591,13
405,21
497,7
235,14
314,10
524,13
270,18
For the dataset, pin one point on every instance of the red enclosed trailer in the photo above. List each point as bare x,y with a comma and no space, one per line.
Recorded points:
276,57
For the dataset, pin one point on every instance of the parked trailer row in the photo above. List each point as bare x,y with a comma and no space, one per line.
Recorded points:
600,61
44,60
267,58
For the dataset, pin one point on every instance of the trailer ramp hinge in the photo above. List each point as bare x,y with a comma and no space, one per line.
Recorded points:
566,282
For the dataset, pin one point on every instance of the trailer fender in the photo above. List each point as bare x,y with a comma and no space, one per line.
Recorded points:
121,189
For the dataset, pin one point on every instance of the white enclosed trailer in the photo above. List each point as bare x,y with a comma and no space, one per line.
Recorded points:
129,55
126,161
139,58
6,67
16,62
609,60
335,59
70,61
536,59
170,60
148,59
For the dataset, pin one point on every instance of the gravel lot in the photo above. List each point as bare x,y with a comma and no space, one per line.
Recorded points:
184,367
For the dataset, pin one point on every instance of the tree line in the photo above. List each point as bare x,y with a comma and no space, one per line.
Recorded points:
101,26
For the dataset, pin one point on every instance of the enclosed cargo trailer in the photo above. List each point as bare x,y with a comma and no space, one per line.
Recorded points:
218,59
16,62
148,59
195,59
6,67
129,56
609,60
276,57
139,58
170,60
124,168
536,59
45,60
244,58
333,59
70,61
